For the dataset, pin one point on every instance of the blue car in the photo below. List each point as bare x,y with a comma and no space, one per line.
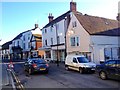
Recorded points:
36,65
109,69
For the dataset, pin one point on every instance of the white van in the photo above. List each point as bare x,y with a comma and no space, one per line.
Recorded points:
79,63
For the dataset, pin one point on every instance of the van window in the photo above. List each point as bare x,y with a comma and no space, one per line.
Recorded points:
74,60
82,60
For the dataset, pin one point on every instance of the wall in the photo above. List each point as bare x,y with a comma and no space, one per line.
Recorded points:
79,31
52,34
99,43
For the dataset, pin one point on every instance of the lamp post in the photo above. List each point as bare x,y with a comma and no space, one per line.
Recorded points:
65,31
57,44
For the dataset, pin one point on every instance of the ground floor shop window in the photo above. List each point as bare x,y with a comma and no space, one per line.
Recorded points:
112,53
48,54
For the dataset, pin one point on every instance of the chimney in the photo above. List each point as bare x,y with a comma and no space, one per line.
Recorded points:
36,25
73,6
118,17
50,17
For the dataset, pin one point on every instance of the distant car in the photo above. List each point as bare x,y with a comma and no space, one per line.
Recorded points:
109,69
79,63
36,65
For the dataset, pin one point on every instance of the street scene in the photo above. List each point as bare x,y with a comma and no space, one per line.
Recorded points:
58,77
54,45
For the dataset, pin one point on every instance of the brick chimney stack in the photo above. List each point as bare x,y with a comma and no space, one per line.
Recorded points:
118,17
73,6
50,17
36,25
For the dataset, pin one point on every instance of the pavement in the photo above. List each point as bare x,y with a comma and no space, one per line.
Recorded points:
6,80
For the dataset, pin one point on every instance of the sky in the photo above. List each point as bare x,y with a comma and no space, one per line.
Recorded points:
20,16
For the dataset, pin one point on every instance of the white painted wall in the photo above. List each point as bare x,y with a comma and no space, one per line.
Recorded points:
26,41
99,43
52,34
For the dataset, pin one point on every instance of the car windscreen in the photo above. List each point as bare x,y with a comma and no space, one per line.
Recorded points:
39,61
82,60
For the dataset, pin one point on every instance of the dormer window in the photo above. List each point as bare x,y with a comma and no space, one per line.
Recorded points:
106,23
74,24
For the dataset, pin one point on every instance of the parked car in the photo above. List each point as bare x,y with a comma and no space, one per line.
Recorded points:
109,69
36,65
79,63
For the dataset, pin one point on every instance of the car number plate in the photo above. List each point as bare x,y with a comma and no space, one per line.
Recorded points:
93,69
42,68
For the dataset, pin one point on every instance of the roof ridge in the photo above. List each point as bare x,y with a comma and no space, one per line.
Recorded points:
93,16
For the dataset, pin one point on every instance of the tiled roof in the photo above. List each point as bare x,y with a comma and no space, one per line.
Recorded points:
6,45
38,37
97,25
113,32
57,19
20,35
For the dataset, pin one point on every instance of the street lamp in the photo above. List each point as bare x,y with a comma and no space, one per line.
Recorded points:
65,31
57,44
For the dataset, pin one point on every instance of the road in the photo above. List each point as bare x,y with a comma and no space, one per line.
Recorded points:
58,77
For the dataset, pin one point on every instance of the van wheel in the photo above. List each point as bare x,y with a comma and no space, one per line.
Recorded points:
66,67
80,70
103,75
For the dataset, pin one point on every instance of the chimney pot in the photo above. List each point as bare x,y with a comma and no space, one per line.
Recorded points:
36,25
118,17
73,6
50,17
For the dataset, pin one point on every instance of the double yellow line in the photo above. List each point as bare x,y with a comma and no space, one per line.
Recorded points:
19,85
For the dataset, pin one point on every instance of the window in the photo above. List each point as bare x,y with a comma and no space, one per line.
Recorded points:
51,41
51,28
17,43
24,37
58,40
82,60
23,45
14,43
111,63
28,36
42,31
74,60
57,26
77,41
72,41
45,30
45,42
29,45
74,24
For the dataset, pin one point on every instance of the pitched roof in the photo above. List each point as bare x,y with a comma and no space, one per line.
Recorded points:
6,45
20,35
57,19
38,37
113,32
97,25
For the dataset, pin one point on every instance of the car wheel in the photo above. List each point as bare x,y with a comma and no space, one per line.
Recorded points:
103,75
47,72
67,68
29,71
80,70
